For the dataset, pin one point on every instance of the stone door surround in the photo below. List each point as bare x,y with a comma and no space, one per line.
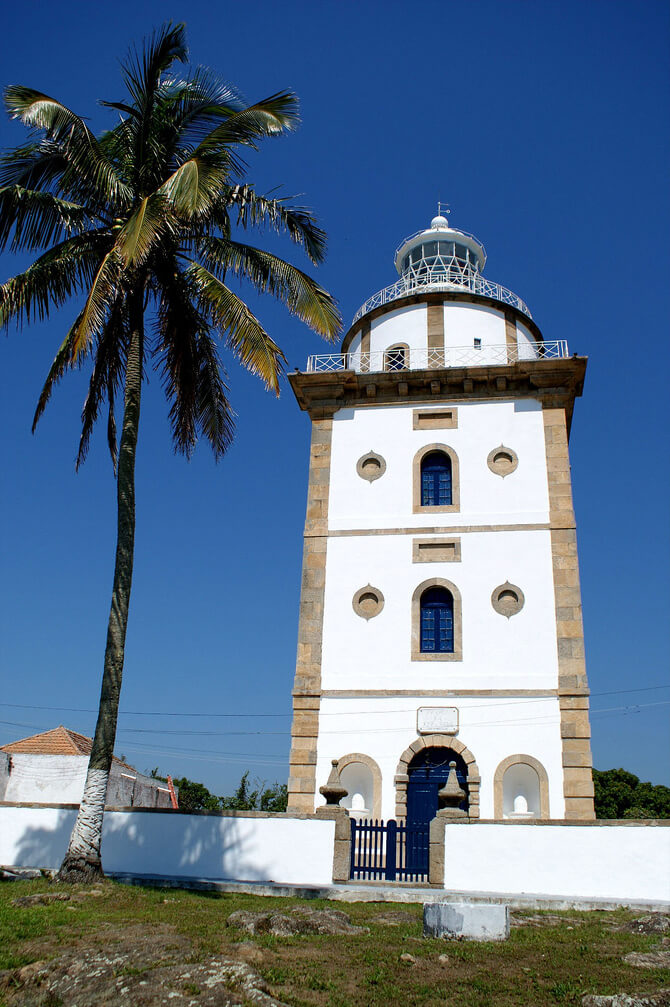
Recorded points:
401,778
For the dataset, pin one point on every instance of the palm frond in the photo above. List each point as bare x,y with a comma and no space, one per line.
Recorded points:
215,416
88,168
37,219
245,335
194,187
37,166
63,361
57,275
269,117
297,221
110,357
143,229
269,274
142,70
102,295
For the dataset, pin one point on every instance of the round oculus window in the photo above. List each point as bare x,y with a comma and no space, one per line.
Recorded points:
508,599
502,461
371,466
368,602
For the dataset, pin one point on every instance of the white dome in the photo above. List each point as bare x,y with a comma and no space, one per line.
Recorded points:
439,223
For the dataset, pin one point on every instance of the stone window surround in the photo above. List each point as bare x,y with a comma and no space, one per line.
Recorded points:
370,764
435,419
457,653
500,607
421,554
499,776
375,474
356,602
401,778
455,505
495,466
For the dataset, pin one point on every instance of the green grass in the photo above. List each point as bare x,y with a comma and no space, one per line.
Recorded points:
555,963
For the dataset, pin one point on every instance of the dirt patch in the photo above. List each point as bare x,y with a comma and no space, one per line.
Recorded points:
43,899
394,919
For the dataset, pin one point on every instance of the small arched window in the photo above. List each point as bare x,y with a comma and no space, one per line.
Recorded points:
436,480
437,621
395,358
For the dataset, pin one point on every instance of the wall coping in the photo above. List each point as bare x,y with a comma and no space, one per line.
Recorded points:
570,822
171,811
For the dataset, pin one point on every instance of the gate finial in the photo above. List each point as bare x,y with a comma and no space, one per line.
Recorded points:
451,795
333,790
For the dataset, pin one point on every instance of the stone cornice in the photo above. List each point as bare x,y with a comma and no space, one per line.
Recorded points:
556,383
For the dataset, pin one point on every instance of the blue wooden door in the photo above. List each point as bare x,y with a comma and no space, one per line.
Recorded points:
428,772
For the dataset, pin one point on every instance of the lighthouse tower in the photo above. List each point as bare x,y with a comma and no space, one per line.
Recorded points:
440,613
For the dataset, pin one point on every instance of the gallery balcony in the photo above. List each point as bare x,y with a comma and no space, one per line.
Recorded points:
423,359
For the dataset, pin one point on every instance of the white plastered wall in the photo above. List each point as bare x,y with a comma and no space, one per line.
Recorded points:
485,498
238,847
499,654
492,728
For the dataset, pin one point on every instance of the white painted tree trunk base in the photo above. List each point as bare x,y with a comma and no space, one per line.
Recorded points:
83,855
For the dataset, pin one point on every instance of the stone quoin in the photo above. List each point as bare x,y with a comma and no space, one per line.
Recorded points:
440,556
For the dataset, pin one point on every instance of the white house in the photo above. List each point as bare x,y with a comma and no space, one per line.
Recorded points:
50,768
440,614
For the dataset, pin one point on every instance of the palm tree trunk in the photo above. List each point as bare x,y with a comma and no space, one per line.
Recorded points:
82,861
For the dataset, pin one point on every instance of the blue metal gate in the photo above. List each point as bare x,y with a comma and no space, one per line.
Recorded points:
389,851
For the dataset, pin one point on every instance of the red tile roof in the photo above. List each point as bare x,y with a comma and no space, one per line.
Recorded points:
59,741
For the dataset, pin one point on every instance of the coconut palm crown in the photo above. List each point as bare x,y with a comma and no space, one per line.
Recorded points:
138,224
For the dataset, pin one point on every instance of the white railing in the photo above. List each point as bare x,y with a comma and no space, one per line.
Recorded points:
426,359
426,278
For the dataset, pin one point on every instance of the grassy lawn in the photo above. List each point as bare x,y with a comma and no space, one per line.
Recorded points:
551,958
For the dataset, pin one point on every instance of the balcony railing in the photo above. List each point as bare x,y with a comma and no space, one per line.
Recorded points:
424,359
437,278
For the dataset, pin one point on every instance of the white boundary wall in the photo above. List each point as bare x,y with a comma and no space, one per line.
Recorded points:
234,846
617,861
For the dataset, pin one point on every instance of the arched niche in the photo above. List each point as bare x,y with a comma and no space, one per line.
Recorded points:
363,779
524,777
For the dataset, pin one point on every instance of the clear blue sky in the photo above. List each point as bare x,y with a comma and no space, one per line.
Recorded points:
545,126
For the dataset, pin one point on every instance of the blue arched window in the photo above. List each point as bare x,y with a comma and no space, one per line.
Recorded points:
437,621
436,479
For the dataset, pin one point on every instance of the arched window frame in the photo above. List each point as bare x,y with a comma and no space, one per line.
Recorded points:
397,349
455,504
416,653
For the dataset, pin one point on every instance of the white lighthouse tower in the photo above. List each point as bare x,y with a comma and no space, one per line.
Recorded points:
440,615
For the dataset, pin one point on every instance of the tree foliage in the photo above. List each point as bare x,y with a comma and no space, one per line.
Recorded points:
246,797
620,794
146,225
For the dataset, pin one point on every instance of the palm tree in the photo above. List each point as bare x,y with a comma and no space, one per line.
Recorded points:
138,223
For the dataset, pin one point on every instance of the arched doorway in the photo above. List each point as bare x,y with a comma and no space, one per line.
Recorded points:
428,772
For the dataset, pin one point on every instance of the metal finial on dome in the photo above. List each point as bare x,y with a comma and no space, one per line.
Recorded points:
440,222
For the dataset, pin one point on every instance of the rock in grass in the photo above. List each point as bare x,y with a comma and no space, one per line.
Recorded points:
300,921
654,923
408,959
648,959
660,999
